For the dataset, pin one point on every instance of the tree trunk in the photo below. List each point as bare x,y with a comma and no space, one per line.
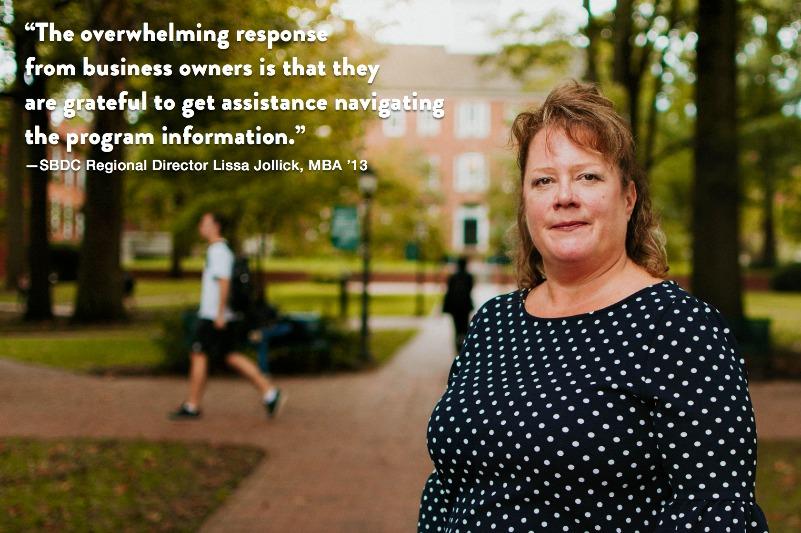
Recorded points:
592,32
15,181
100,279
179,248
768,255
39,303
176,255
716,276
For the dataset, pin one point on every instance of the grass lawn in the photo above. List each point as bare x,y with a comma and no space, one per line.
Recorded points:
319,266
101,350
778,484
784,310
113,485
300,296
116,485
384,343
85,350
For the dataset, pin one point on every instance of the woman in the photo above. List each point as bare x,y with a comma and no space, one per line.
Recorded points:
598,396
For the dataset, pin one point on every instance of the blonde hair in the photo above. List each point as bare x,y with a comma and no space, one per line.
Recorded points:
590,121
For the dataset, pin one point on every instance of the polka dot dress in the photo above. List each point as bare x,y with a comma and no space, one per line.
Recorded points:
631,418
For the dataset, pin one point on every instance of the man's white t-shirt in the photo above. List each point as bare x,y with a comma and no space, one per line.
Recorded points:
219,265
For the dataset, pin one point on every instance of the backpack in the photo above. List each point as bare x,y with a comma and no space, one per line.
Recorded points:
242,292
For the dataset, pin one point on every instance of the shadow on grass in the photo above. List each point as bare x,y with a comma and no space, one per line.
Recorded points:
778,485
83,484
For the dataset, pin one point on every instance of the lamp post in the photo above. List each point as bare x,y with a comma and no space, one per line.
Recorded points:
420,233
367,187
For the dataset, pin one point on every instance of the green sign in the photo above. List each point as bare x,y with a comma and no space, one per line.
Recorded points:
345,227
412,251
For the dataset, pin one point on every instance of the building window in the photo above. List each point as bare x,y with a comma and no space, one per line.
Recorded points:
69,177
68,222
55,217
473,119
395,124
433,178
471,228
470,231
470,172
427,125
79,224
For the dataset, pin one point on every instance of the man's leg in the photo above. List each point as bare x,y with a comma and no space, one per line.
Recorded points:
250,370
198,370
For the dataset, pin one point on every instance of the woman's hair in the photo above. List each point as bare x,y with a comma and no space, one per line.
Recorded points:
590,121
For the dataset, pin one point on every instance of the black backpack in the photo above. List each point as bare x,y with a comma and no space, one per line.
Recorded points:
242,292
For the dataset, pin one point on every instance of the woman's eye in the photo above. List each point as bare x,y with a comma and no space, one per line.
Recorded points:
590,177
539,181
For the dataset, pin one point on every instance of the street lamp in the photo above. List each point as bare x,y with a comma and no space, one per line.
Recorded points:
367,186
420,233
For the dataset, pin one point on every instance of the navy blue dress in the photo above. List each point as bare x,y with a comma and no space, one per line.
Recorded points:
631,418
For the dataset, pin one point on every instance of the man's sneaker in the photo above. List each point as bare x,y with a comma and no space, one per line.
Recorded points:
183,413
274,406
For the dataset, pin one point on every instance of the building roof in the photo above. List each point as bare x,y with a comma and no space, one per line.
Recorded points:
433,68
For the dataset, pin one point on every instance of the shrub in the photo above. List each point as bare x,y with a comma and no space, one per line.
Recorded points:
315,344
787,278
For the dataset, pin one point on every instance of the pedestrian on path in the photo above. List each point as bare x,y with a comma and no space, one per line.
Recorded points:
218,334
458,301
597,396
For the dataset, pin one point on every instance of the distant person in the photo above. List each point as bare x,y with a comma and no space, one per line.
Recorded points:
218,335
128,286
458,301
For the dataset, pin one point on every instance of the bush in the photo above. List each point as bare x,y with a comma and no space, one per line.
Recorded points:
787,278
176,339
315,344
64,259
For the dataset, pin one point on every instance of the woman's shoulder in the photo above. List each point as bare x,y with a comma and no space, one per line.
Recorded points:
688,315
498,306
682,301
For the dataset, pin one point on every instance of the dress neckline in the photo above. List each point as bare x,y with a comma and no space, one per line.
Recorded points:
522,293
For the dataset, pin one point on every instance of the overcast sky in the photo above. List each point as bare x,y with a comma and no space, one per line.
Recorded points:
460,25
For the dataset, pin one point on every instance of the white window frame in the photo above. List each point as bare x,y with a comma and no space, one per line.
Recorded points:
55,216
470,173
395,124
79,225
434,178
67,222
473,119
427,125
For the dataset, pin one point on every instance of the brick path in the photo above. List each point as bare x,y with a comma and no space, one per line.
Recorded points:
347,455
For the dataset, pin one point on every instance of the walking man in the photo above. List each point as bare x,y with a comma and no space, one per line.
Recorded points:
218,335
458,301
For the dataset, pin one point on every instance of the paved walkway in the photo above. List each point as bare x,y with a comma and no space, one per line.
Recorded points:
346,455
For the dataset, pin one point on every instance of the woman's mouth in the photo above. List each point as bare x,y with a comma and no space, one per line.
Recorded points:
569,226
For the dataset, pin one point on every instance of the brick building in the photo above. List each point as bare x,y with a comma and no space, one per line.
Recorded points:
466,148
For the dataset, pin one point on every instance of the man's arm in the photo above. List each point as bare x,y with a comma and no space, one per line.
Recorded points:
225,285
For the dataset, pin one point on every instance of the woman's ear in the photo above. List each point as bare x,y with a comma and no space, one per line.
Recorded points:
631,197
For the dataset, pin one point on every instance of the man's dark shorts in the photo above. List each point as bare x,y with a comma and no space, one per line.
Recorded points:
217,343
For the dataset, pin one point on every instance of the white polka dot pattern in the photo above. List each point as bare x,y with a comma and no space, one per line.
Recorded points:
631,418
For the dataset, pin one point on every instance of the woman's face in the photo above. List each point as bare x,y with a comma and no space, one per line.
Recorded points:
570,184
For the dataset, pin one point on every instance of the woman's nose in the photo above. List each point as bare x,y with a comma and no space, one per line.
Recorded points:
564,192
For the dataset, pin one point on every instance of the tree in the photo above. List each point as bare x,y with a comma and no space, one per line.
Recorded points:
716,275
100,281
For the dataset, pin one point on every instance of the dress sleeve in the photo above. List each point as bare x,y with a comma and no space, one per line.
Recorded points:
435,502
702,417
